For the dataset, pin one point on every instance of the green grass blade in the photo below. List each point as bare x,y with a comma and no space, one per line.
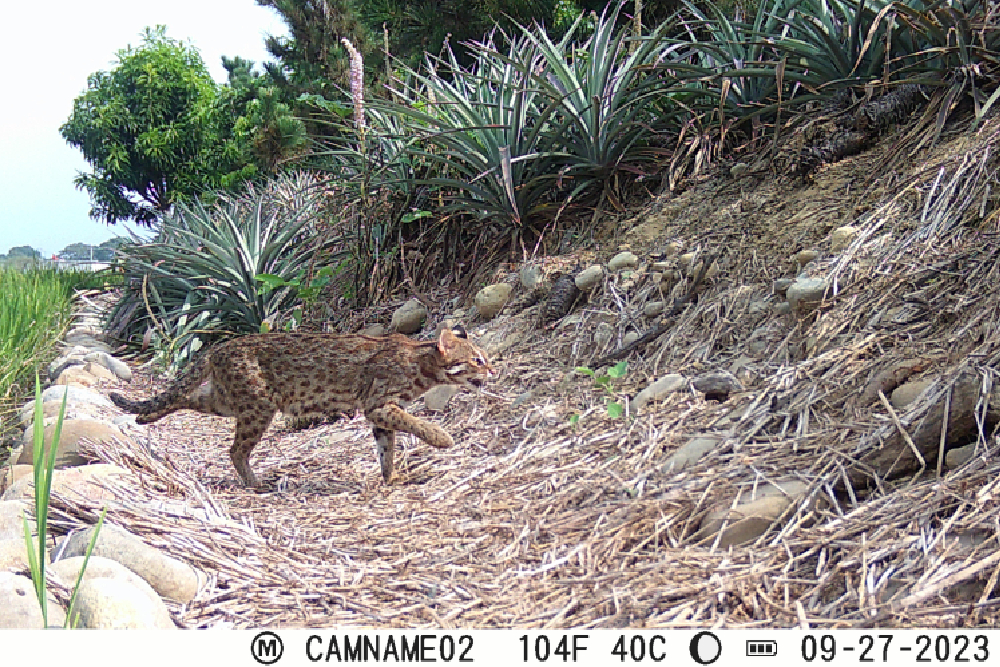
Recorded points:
70,621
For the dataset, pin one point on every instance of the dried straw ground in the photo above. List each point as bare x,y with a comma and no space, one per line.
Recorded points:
533,522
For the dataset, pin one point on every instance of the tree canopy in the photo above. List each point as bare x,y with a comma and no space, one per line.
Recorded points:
24,251
104,252
150,130
312,59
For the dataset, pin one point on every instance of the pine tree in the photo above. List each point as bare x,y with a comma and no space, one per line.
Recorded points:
312,59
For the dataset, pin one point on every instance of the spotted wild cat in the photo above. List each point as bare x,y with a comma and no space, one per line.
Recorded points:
315,376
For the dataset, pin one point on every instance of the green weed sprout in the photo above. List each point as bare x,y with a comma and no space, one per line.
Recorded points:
603,382
42,468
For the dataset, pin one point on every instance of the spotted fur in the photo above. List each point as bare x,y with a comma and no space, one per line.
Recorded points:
317,377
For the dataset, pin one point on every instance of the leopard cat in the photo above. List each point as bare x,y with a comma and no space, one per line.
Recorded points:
312,377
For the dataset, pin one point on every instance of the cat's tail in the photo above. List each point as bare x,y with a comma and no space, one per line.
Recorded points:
174,398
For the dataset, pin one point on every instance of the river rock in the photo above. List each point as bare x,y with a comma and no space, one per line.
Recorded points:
491,299
11,522
805,294
654,308
589,278
753,516
67,360
781,285
689,453
119,603
20,604
908,392
50,412
87,481
803,257
116,366
842,237
717,386
77,376
14,554
409,317
75,395
659,389
68,449
623,260
170,577
530,276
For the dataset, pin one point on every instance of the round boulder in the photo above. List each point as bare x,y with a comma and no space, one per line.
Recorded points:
658,390
409,317
530,275
168,576
68,448
653,308
87,481
76,375
116,366
623,260
806,293
908,392
491,299
118,597
803,257
589,278
20,604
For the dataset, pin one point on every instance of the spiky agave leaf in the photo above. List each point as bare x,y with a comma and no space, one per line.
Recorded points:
199,275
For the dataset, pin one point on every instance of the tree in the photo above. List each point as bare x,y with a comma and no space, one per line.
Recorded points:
312,59
23,251
259,132
105,252
418,26
76,251
150,129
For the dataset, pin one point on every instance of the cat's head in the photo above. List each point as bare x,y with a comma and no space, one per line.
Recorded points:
464,362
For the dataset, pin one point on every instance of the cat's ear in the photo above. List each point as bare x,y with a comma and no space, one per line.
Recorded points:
447,340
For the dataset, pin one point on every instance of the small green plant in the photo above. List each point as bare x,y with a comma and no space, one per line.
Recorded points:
305,288
414,216
308,290
42,469
603,382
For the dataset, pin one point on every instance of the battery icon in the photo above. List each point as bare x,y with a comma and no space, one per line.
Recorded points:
766,647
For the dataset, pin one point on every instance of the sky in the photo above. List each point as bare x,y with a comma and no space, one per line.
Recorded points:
50,48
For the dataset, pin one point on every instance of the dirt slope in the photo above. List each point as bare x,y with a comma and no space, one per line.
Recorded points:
540,519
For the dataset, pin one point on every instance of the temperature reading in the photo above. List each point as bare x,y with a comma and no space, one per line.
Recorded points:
568,647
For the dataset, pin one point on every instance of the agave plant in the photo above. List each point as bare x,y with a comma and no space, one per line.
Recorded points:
959,45
605,95
199,277
483,129
837,40
742,54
